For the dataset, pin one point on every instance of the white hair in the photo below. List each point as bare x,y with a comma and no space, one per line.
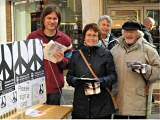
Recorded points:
140,33
105,17
149,20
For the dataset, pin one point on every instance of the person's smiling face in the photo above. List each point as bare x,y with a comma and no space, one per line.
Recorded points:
51,21
105,27
130,36
91,38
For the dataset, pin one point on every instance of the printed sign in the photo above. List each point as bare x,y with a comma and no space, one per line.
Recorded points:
37,71
22,73
22,81
8,98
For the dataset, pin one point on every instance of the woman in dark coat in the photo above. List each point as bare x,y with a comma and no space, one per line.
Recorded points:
101,60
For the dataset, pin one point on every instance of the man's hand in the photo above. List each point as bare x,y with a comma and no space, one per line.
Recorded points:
138,67
59,56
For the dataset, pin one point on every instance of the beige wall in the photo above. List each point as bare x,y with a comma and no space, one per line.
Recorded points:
3,35
8,21
91,10
156,85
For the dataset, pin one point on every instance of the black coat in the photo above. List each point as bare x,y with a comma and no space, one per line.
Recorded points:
94,106
112,42
147,34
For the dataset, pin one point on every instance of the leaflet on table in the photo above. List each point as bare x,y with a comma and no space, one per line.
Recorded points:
34,113
51,49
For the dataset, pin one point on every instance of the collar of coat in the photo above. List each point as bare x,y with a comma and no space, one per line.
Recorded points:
93,50
133,47
41,33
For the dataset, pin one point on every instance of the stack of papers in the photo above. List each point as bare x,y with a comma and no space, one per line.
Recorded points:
51,49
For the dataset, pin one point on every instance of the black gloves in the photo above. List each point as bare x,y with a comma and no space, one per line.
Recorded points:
75,81
105,82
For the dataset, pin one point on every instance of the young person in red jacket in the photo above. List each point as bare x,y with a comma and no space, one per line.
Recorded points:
50,21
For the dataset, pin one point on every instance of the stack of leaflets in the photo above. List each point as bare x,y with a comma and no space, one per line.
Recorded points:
51,49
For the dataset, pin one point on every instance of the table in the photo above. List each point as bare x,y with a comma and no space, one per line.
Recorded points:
50,112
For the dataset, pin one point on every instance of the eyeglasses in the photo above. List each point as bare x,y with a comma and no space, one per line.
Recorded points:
91,36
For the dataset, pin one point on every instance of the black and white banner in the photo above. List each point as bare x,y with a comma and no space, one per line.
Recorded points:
8,98
22,81
22,74
37,71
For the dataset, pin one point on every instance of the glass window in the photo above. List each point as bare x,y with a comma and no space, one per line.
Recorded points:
130,1
27,17
22,18
71,22
121,16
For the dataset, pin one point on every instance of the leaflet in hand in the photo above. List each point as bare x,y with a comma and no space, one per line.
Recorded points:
51,49
89,79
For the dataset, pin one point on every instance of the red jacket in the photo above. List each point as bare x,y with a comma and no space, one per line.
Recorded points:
53,72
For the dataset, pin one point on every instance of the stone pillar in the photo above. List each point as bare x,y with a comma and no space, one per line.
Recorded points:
91,11
3,36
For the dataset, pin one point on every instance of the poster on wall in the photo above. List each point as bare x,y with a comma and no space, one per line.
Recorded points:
22,74
8,94
37,71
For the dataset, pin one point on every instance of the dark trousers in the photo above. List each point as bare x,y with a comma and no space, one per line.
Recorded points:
91,117
128,117
54,99
105,117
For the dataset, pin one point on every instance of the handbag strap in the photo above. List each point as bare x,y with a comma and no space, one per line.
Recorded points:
88,65
103,43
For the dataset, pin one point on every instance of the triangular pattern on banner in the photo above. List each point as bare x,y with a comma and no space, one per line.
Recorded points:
8,56
33,67
23,68
1,76
15,56
18,70
30,49
39,49
38,65
7,74
23,48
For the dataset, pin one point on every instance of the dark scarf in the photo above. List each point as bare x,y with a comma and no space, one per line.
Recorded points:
89,50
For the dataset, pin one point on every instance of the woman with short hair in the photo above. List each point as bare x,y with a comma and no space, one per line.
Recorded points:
97,105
